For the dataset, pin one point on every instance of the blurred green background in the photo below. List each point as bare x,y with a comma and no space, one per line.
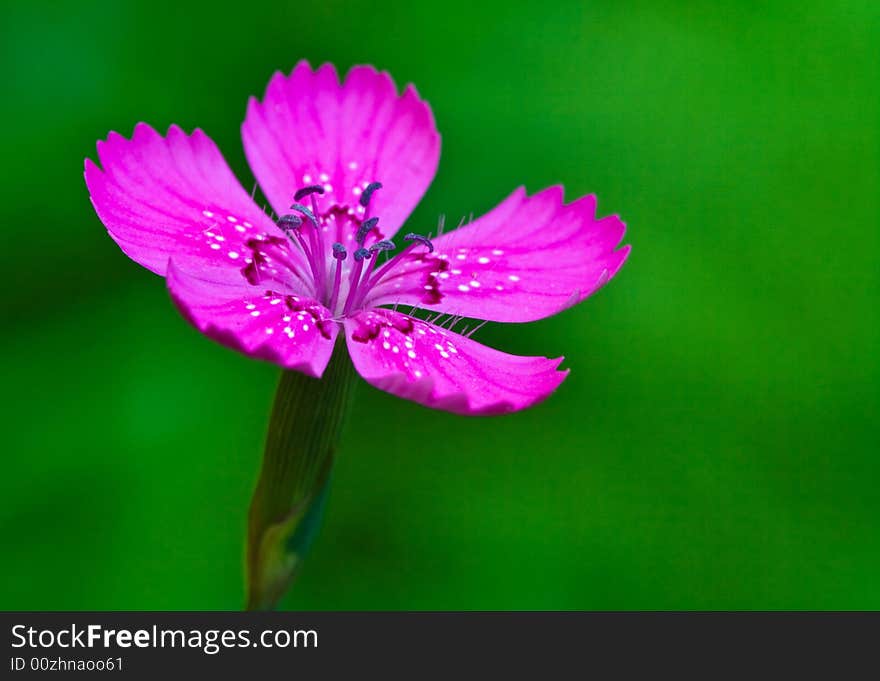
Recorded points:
716,445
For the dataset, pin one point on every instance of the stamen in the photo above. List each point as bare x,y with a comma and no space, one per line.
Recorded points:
384,245
388,266
317,245
364,229
367,194
339,253
354,278
295,236
366,281
379,273
290,225
307,212
421,239
288,222
305,191
363,272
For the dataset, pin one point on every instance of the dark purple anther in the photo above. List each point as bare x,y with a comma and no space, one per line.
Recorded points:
361,253
364,229
384,245
307,212
421,239
305,191
368,193
339,251
288,222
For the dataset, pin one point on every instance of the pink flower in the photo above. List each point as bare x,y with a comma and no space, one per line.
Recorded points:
344,165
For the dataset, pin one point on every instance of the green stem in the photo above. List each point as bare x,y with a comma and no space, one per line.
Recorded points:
304,431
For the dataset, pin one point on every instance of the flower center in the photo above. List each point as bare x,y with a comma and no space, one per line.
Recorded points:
303,261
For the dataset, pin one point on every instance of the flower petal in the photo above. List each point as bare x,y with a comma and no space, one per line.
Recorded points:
309,130
440,369
288,330
529,258
174,196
